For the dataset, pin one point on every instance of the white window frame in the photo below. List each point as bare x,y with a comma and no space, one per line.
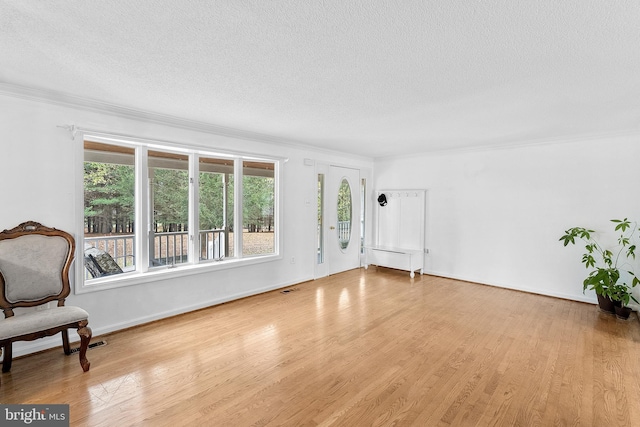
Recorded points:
143,273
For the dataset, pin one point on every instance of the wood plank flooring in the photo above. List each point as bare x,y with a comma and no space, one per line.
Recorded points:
361,348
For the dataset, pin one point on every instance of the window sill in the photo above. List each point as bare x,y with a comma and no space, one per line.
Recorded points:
165,273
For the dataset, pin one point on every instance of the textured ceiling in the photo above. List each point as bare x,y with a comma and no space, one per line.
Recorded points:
373,77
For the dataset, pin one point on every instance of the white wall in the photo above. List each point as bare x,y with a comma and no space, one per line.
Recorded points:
495,216
39,179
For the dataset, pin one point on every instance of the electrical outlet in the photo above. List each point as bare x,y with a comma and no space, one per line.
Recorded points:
293,260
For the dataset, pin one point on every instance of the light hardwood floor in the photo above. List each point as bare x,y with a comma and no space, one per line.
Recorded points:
361,348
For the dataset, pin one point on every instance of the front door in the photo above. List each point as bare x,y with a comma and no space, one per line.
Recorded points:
342,224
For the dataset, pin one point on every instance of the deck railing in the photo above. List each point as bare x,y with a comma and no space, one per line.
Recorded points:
212,244
121,248
169,248
344,233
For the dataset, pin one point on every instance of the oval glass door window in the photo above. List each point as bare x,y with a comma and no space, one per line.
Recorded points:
344,214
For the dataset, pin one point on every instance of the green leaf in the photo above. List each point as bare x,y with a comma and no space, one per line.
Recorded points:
631,252
588,260
585,234
567,238
622,225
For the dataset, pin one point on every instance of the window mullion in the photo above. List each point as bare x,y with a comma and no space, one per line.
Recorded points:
237,207
143,207
194,209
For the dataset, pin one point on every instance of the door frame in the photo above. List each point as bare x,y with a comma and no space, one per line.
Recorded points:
323,269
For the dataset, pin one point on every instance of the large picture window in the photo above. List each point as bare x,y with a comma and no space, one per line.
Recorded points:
149,208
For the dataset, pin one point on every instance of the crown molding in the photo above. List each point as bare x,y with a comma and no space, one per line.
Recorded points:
67,100
73,101
513,144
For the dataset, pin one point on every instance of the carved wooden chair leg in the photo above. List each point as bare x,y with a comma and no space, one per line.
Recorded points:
6,360
85,336
65,342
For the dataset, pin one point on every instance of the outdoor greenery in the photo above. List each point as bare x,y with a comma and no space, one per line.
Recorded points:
212,201
258,193
170,200
109,200
344,202
345,212
608,265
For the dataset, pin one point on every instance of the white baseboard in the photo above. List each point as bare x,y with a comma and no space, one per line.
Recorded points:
561,295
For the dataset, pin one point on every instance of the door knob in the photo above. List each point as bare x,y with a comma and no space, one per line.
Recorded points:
332,228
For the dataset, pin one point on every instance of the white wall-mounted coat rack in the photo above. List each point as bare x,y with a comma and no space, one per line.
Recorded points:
400,229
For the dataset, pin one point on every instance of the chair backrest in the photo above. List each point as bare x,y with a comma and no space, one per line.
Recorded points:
34,266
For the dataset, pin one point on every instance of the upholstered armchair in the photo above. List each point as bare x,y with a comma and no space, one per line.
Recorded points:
34,270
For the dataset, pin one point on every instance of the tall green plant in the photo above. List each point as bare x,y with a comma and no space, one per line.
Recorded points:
606,264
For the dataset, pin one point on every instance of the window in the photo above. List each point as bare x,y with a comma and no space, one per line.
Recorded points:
148,208
215,193
363,206
258,197
320,231
345,214
169,201
109,209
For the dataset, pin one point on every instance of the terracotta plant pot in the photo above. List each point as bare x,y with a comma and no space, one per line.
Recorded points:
606,304
623,312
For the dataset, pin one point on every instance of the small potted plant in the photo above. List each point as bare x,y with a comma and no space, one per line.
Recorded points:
606,264
621,295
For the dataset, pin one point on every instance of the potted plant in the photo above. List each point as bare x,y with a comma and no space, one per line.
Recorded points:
606,264
621,294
